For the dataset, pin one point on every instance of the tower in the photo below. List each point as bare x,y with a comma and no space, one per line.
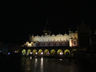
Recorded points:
46,30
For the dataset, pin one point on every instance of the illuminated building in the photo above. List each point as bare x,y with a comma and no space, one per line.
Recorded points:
61,44
70,39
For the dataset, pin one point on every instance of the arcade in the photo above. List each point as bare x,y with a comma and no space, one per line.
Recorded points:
51,45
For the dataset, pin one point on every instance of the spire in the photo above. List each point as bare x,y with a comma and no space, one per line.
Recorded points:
46,29
46,23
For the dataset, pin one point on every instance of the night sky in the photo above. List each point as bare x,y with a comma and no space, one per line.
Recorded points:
18,22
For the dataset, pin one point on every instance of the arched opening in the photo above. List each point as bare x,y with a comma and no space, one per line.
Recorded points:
28,51
60,52
67,52
40,52
34,52
46,52
24,52
74,52
52,52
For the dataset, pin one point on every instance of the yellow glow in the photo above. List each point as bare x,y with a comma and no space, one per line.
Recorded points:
66,51
52,51
40,50
29,44
46,52
34,51
59,51
28,51
72,36
47,38
23,51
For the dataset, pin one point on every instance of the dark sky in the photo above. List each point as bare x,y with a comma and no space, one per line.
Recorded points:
17,22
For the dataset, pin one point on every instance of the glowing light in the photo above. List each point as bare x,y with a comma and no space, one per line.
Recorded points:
41,65
31,53
51,38
9,53
60,59
35,65
36,53
30,57
29,44
41,60
63,38
36,60
61,53
41,53
23,51
15,51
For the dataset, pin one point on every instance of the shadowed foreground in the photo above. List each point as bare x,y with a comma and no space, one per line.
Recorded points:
30,64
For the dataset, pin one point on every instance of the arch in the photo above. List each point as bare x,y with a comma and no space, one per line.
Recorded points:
24,51
46,52
73,52
53,51
28,51
67,52
40,51
34,51
60,52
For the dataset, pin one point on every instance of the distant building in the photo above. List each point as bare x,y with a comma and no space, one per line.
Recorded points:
70,40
